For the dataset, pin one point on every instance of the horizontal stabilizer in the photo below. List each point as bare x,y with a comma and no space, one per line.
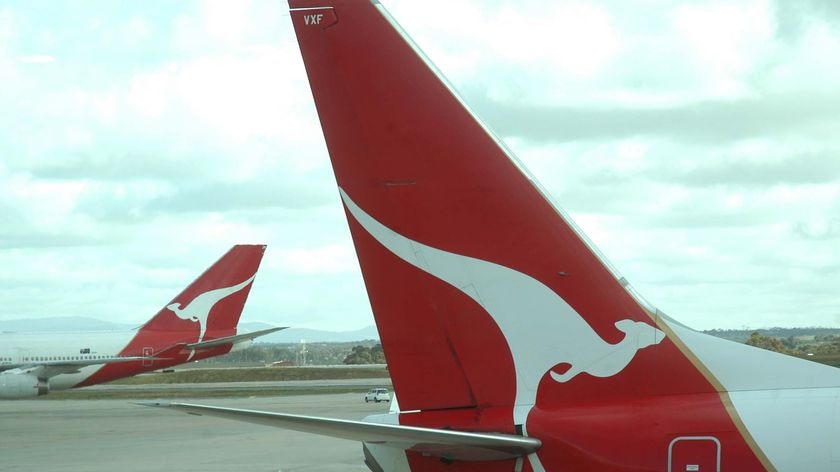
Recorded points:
447,444
231,339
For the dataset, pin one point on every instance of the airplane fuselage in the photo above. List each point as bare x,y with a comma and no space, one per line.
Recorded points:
693,432
686,432
23,348
27,348
198,323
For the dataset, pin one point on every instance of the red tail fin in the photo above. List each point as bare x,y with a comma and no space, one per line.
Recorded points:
210,306
482,291
485,295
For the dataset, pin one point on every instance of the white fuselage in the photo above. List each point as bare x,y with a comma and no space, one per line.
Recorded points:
20,348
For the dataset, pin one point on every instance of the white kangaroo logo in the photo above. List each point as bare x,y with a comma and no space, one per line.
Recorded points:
541,329
199,308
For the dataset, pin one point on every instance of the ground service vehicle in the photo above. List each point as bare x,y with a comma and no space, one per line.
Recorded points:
377,395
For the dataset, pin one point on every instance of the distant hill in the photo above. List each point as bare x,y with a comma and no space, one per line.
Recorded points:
291,335
295,335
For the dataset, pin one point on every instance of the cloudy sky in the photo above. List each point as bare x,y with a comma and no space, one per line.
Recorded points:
696,143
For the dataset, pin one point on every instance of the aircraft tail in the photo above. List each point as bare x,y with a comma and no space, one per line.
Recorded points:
213,303
198,323
481,288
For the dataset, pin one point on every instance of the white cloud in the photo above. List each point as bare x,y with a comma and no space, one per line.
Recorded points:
46,203
807,64
331,259
150,94
227,21
36,59
728,40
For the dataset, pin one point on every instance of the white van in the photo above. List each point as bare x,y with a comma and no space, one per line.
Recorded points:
378,395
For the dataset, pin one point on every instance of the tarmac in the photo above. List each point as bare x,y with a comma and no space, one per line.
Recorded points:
107,435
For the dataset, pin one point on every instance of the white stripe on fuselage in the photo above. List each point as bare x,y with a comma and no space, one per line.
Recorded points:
773,393
61,346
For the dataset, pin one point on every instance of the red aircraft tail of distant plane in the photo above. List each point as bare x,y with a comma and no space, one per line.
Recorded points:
209,308
498,318
199,323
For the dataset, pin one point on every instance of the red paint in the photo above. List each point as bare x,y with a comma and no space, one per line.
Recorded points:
634,435
165,331
409,154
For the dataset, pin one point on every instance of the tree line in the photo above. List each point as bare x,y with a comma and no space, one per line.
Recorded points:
359,352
